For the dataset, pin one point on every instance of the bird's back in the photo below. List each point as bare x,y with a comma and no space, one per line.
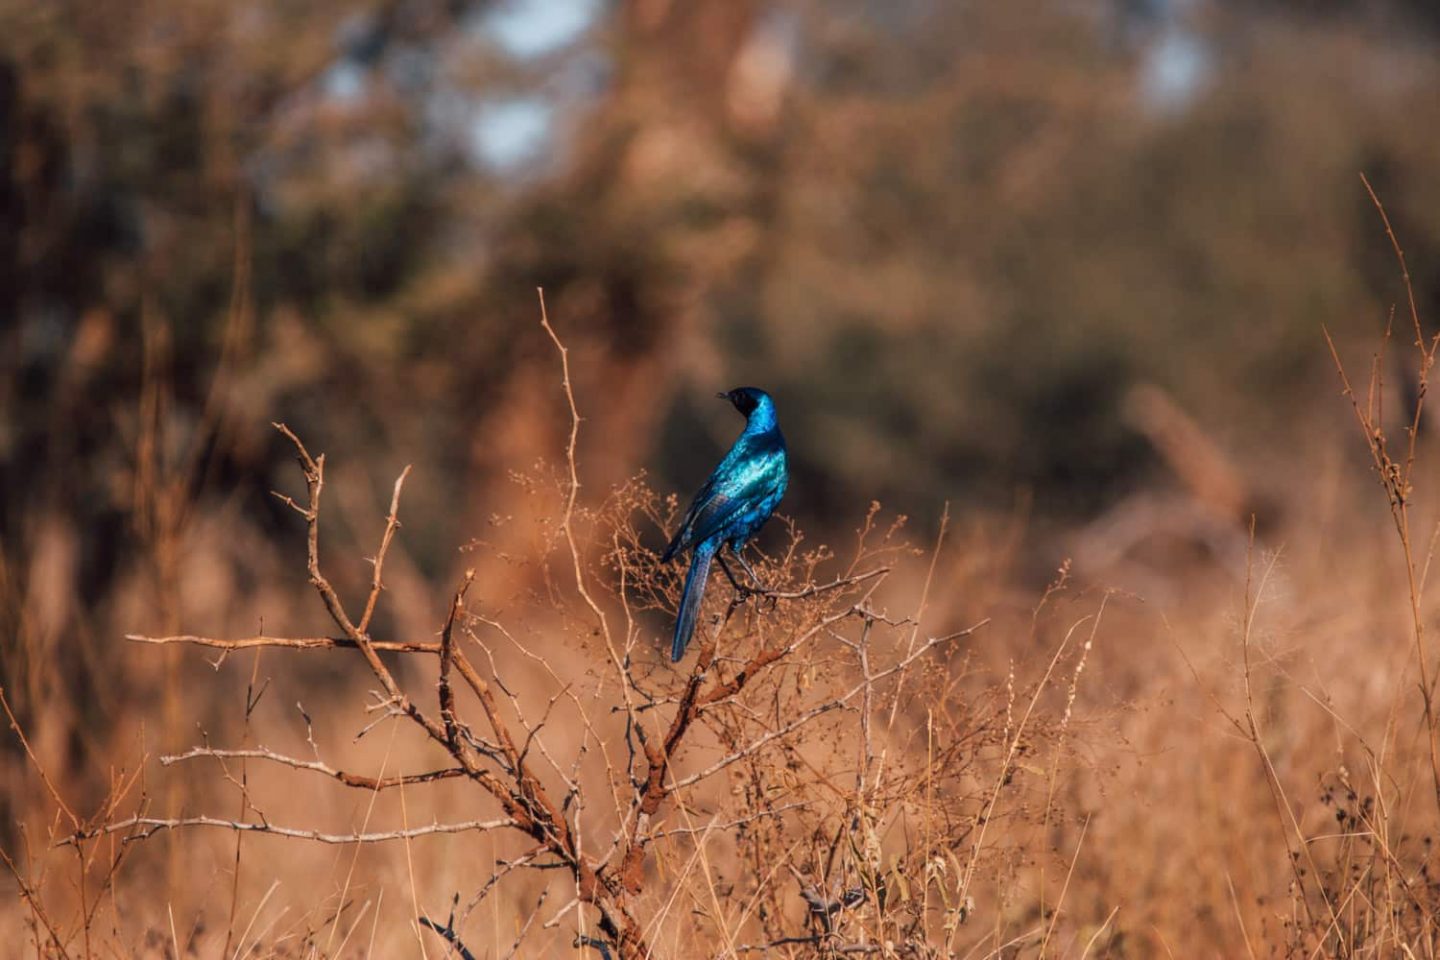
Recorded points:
739,495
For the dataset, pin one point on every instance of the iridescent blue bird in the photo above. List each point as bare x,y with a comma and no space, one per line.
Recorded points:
735,502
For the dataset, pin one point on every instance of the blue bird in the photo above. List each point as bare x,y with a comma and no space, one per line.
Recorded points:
735,502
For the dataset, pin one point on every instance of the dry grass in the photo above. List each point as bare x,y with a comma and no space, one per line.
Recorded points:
848,766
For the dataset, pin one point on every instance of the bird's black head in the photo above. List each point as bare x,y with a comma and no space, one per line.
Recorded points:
746,399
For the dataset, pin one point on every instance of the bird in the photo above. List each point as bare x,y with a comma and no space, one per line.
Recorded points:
731,507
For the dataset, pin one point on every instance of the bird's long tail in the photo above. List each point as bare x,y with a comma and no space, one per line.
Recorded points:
690,599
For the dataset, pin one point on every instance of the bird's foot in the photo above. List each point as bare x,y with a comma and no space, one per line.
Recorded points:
747,590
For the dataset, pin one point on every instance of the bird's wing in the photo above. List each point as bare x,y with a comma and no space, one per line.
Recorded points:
684,534
736,485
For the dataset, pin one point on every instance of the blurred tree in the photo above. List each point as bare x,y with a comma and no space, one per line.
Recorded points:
946,236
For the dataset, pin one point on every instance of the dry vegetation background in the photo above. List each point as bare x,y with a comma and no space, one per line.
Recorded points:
1103,620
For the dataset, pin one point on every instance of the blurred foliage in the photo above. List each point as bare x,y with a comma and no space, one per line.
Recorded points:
949,237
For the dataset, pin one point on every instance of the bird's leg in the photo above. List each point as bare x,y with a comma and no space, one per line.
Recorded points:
743,590
759,588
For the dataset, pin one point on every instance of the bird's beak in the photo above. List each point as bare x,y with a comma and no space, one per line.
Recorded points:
723,396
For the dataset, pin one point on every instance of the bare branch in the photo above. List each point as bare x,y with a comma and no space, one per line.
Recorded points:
35,761
147,826
391,523
447,656
314,470
349,779
294,643
567,521
1404,270
839,583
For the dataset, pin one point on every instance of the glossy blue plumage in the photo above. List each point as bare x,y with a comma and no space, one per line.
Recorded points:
733,504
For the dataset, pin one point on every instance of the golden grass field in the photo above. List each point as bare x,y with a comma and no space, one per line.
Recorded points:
912,750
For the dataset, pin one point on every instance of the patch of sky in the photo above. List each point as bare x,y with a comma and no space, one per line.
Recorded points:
509,132
1174,70
531,28
1176,63
343,81
502,132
